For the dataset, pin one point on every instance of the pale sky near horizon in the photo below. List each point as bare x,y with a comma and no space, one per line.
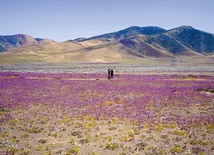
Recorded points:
62,20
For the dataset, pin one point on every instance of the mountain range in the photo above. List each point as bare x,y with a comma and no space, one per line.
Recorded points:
132,42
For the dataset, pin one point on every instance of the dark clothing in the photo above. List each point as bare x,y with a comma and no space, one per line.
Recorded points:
112,73
109,73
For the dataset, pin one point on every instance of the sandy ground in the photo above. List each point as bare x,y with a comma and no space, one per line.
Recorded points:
179,65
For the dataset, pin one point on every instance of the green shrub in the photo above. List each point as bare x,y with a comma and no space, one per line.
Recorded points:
77,133
112,146
176,149
180,132
24,152
74,150
35,130
24,135
84,141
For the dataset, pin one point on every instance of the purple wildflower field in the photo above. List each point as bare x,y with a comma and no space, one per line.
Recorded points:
87,114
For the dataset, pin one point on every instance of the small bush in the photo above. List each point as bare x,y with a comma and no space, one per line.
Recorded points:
35,130
24,135
39,148
74,150
180,133
193,142
24,152
197,150
140,146
47,152
12,150
171,126
72,141
164,136
176,149
84,141
77,133
112,128
93,153
112,146
43,141
159,128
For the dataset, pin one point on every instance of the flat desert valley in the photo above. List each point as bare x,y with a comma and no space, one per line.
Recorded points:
56,98
151,106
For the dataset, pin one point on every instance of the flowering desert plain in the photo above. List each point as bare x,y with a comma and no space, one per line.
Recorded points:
141,111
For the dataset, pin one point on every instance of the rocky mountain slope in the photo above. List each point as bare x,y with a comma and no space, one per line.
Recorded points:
131,31
133,42
155,41
14,41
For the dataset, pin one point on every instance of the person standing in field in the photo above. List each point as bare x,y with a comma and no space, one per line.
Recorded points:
112,73
109,73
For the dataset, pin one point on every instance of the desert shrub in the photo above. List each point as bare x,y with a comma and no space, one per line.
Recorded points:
48,147
54,133
205,143
12,150
35,130
170,126
159,128
24,135
164,136
112,128
24,152
39,148
112,146
43,141
140,146
150,150
176,149
59,152
44,120
162,151
122,153
90,124
210,128
77,133
197,150
131,133
93,153
136,132
84,141
109,138
193,142
126,138
74,150
72,141
1,111
47,152
66,119
180,132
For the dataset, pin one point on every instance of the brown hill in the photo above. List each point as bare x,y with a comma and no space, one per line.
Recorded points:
19,40
126,45
68,51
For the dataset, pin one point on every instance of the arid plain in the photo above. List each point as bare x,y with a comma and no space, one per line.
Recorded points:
55,98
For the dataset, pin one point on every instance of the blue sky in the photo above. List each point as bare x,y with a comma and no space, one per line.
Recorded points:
62,20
